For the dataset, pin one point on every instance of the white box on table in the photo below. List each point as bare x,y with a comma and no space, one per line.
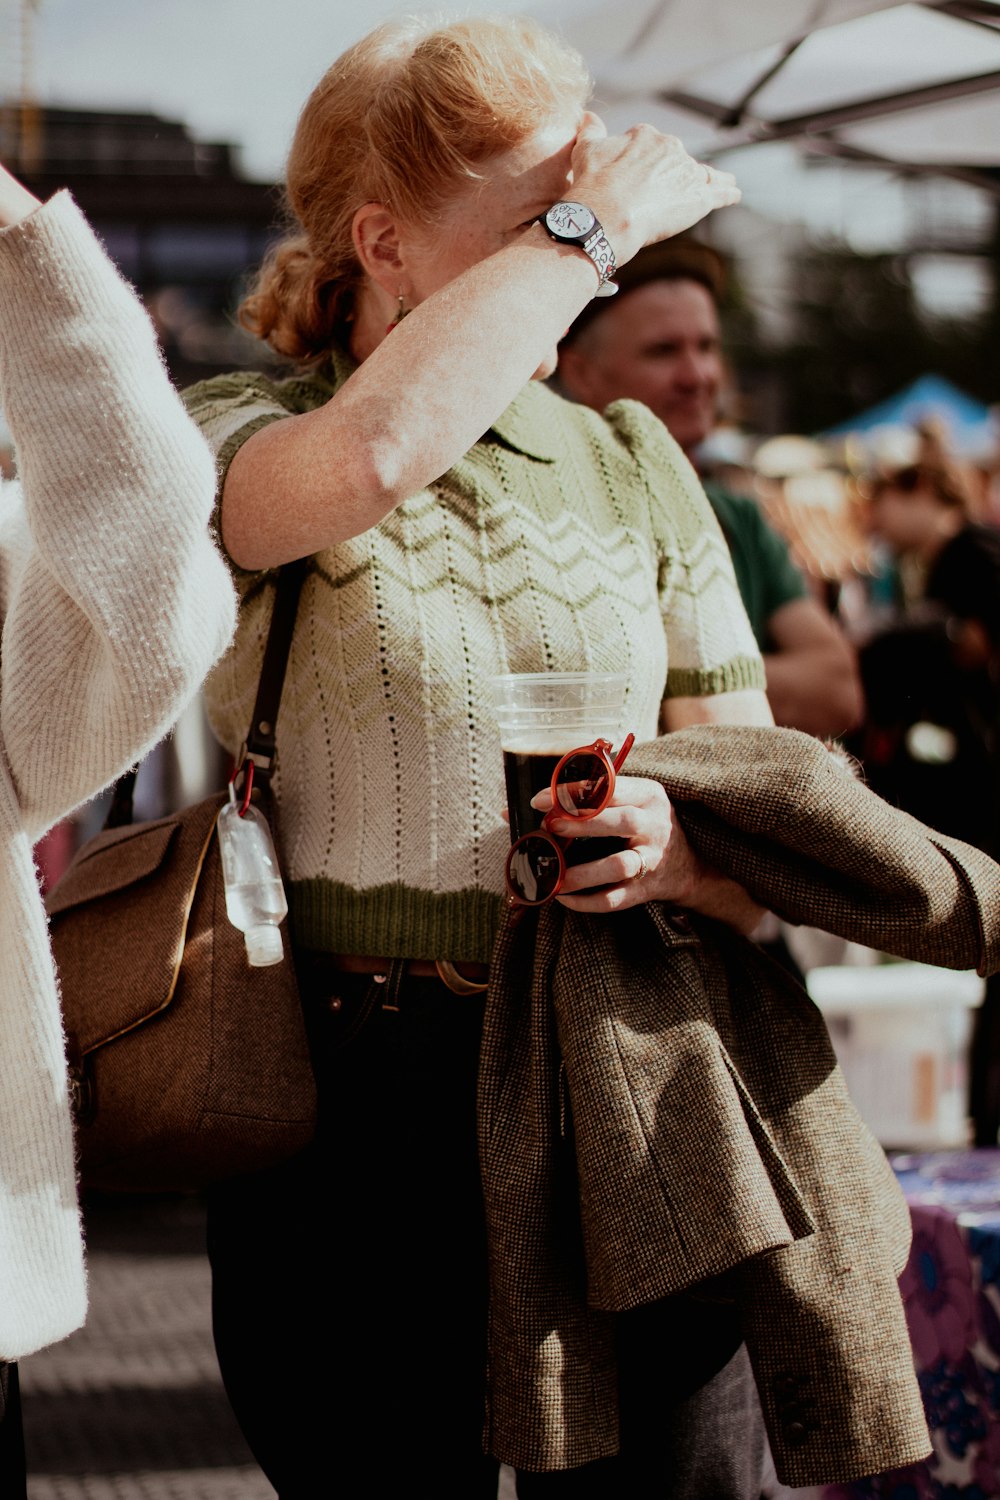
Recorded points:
901,1033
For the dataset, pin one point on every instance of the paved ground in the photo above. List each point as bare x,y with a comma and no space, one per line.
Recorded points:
132,1407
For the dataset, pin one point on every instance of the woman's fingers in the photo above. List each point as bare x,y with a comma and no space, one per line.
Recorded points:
592,127
627,822
631,863
656,863
610,884
638,791
605,884
691,189
645,186
639,808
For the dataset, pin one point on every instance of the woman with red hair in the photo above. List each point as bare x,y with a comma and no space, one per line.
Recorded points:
454,206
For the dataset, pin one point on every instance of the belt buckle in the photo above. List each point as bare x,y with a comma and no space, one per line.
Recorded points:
456,982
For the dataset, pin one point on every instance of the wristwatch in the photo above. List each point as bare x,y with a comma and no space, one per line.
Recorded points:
575,224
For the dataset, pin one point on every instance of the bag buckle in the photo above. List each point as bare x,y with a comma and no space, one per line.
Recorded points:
82,1100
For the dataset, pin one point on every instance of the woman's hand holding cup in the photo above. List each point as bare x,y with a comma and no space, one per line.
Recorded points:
658,863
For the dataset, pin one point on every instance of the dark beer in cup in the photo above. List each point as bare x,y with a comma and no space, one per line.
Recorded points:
541,716
527,772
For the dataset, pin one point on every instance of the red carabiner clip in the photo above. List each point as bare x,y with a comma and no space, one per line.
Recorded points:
247,766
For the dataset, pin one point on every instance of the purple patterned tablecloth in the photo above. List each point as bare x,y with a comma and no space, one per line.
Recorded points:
951,1288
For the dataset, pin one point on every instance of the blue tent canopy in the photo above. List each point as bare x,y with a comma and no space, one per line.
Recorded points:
971,425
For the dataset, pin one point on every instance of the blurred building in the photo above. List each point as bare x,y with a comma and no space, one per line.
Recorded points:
181,223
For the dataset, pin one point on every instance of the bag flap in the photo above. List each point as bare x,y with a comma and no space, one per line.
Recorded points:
111,862
119,921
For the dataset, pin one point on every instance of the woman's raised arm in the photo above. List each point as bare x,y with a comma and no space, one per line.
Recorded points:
422,397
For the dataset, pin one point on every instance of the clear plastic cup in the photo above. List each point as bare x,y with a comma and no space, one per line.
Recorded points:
541,715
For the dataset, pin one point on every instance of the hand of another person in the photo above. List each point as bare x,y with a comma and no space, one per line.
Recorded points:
16,202
643,185
658,865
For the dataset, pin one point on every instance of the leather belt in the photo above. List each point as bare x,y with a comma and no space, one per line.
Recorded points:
472,979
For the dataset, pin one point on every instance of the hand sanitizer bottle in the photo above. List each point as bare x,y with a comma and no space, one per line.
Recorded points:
255,896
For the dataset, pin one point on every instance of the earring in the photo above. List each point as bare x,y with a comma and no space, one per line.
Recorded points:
401,312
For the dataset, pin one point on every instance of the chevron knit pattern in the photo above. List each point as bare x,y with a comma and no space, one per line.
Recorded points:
561,541
114,604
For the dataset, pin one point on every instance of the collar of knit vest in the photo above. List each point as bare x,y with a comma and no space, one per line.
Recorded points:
531,423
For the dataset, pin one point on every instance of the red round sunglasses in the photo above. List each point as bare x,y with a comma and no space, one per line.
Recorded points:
583,783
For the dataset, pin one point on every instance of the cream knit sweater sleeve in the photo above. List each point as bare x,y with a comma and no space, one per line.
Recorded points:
114,601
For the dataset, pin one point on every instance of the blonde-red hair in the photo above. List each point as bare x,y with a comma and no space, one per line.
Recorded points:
405,118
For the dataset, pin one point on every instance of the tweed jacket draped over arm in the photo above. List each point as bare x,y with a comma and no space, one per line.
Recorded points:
660,1104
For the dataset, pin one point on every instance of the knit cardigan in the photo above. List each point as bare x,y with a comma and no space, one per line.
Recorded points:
114,604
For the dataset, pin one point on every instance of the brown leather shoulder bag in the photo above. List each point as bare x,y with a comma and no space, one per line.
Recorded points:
187,1065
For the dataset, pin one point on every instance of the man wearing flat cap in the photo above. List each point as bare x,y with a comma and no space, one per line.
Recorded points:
658,341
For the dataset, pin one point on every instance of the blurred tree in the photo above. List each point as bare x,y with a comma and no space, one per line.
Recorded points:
861,336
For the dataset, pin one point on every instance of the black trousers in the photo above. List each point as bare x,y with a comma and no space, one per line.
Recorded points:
13,1476
350,1289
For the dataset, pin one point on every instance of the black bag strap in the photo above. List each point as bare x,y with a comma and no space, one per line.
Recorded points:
260,744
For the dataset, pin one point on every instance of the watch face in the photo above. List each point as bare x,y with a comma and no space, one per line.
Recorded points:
570,219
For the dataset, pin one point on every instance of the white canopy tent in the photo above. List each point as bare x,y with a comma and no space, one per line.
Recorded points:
912,86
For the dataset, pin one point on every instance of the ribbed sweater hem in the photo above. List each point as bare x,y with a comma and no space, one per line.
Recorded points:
394,921
732,677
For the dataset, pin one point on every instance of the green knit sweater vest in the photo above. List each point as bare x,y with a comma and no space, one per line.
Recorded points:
563,540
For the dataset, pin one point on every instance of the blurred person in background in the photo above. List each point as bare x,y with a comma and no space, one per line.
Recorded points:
659,342
931,739
113,606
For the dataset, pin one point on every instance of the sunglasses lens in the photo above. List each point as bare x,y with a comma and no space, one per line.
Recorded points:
582,785
534,869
